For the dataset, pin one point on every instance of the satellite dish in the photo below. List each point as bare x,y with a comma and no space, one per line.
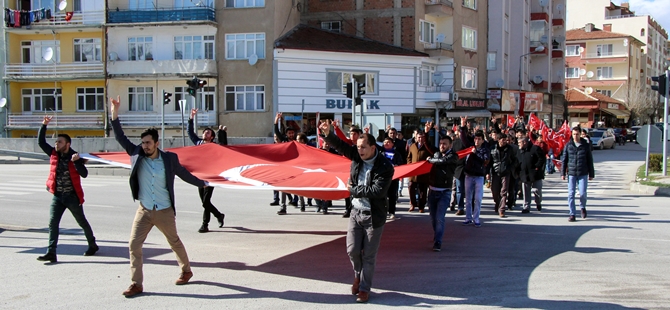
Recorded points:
3,102
559,7
440,38
253,59
500,83
539,49
544,3
113,56
589,74
582,71
559,39
438,78
581,49
589,90
62,5
625,42
48,54
544,39
537,79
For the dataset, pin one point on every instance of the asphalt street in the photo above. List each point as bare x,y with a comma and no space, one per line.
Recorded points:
617,258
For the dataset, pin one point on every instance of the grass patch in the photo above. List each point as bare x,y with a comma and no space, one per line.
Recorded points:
650,179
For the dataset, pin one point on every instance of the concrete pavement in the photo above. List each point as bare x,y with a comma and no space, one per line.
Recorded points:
616,258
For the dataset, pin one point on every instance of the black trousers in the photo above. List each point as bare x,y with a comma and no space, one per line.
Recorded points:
206,197
393,196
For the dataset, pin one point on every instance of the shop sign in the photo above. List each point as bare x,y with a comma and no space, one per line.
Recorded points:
345,104
614,106
494,94
470,104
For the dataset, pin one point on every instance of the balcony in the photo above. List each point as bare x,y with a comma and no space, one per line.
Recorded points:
557,53
557,22
437,93
78,20
196,14
143,119
439,49
557,86
603,81
179,67
439,8
73,121
539,16
81,70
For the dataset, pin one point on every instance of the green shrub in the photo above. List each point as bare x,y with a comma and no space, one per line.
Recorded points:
655,162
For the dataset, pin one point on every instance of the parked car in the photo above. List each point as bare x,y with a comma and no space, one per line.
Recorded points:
603,139
617,134
660,126
633,132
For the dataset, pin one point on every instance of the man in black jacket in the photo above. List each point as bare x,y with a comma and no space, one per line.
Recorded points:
531,172
475,171
395,156
208,136
152,175
369,182
440,180
578,166
503,163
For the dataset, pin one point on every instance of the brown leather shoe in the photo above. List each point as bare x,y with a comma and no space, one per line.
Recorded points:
460,212
411,209
502,213
184,277
133,290
421,211
354,287
363,297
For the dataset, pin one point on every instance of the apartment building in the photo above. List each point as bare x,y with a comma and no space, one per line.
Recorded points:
622,19
54,65
451,78
525,60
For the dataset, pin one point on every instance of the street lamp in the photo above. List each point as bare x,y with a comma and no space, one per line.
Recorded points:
536,50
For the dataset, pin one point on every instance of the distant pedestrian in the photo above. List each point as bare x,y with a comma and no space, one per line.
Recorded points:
531,172
152,175
578,167
64,182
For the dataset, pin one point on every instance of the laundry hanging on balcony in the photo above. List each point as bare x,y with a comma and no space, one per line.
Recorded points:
19,18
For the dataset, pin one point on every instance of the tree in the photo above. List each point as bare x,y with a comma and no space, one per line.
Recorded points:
642,103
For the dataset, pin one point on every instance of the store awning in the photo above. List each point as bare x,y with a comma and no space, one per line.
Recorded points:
578,110
620,114
469,113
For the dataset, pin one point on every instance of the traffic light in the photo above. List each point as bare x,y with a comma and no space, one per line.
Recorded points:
360,87
349,91
192,86
662,86
166,97
201,83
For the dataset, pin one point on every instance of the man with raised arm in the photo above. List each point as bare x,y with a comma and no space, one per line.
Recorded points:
152,183
368,185
208,136
64,182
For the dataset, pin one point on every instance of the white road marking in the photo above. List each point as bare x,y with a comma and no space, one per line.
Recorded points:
645,239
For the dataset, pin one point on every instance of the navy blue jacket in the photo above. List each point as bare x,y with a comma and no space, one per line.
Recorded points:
577,161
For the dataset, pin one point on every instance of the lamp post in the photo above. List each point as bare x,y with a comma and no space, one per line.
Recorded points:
536,50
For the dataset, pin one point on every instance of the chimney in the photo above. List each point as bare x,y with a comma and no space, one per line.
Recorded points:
607,27
625,5
589,27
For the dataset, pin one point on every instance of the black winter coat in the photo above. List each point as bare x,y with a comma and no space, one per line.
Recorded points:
503,160
577,161
442,172
531,163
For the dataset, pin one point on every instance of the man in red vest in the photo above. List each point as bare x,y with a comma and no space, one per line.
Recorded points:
64,182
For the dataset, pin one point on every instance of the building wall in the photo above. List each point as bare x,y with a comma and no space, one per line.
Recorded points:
66,40
163,38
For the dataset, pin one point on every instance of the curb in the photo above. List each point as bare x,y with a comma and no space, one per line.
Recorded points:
651,190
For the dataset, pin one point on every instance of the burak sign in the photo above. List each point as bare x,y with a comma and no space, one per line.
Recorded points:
343,104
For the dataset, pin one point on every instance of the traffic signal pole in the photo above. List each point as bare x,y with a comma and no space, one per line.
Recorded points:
665,126
163,120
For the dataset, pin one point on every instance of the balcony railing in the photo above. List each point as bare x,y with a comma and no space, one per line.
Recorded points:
69,70
59,121
140,119
442,2
161,15
178,67
603,55
619,16
438,46
93,18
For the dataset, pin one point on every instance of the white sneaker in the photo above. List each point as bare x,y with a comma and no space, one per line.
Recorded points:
392,217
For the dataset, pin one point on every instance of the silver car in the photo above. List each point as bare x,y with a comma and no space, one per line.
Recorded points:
603,139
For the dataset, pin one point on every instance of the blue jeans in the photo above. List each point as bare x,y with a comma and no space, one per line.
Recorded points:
582,182
58,206
438,202
459,190
474,185
550,163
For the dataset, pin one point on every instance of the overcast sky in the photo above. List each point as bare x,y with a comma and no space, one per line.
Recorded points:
658,9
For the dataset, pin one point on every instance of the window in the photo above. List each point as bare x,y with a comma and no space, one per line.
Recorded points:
469,38
468,78
77,5
426,32
243,45
38,4
141,99
572,73
537,31
141,5
334,26
491,61
87,50
91,99
605,92
427,73
32,52
41,100
245,98
140,48
506,23
336,81
194,47
604,50
572,50
470,4
206,98
604,73
642,32
245,3
193,3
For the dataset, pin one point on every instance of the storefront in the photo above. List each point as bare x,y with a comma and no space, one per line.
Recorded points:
595,110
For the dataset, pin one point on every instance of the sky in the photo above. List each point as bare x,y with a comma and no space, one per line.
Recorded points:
658,9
